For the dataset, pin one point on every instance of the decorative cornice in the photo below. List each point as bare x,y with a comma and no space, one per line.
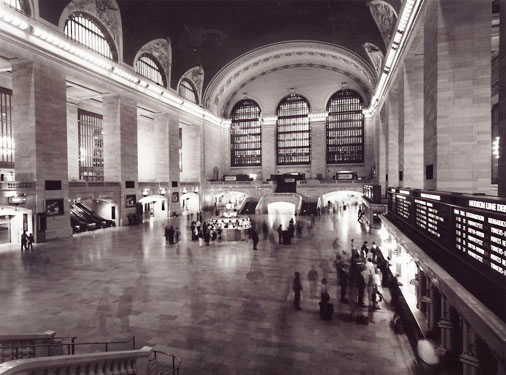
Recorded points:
260,60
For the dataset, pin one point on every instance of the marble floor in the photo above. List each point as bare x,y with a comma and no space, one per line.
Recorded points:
223,309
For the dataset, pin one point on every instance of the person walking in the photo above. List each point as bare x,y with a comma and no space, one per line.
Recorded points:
364,250
291,228
369,272
177,235
312,276
297,288
280,233
31,240
170,235
24,239
343,274
254,237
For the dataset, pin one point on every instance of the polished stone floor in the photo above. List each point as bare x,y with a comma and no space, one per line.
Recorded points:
224,309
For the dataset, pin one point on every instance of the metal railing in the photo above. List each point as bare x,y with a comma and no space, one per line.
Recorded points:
176,362
71,346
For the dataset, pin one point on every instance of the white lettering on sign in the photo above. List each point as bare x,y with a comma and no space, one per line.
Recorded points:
430,196
475,256
495,239
491,206
498,269
405,192
497,249
421,202
475,240
496,258
475,216
474,224
498,222
497,231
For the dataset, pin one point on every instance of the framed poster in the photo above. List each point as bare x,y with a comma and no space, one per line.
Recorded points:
175,197
54,207
130,201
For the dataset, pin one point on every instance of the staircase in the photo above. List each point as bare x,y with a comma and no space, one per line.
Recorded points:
249,207
308,207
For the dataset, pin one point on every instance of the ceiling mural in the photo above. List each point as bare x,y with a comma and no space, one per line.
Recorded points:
385,17
376,56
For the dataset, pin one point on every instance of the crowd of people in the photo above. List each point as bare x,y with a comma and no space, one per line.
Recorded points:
361,274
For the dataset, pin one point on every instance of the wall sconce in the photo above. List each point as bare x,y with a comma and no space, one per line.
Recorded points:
163,191
145,192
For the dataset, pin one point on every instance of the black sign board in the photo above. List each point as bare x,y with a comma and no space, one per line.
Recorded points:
473,227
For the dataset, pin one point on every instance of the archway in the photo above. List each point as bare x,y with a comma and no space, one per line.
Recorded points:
338,199
280,213
13,221
190,202
154,206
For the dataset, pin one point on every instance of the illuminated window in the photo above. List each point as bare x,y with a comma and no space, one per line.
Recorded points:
84,30
6,137
345,128
19,5
293,131
147,67
91,146
187,91
246,134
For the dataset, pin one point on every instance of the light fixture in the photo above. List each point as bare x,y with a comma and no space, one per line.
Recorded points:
495,147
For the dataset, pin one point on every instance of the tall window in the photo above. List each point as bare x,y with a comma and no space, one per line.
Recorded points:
293,131
246,134
345,128
91,146
82,29
147,67
495,143
6,137
187,91
19,5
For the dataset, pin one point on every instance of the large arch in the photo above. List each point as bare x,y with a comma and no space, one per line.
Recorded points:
106,12
221,91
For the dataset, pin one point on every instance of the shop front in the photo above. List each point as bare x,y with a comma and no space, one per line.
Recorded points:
13,221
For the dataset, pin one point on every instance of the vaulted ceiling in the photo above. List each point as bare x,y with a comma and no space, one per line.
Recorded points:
213,33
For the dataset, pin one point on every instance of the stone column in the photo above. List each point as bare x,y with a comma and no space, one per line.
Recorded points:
318,147
268,150
457,95
173,157
413,114
502,102
120,148
40,134
393,137
369,148
401,130
382,131
446,326
72,141
191,153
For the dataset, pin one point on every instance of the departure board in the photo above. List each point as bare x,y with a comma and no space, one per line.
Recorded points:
472,226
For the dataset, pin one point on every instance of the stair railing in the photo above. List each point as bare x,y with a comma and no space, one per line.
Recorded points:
176,362
71,346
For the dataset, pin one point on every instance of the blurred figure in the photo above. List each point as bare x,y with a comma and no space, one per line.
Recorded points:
297,288
312,276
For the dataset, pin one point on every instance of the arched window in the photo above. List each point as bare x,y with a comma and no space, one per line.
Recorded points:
345,128
83,29
187,91
6,134
147,67
19,5
293,131
246,134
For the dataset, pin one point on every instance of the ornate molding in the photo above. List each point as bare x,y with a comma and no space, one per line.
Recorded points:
385,17
162,51
276,56
376,56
